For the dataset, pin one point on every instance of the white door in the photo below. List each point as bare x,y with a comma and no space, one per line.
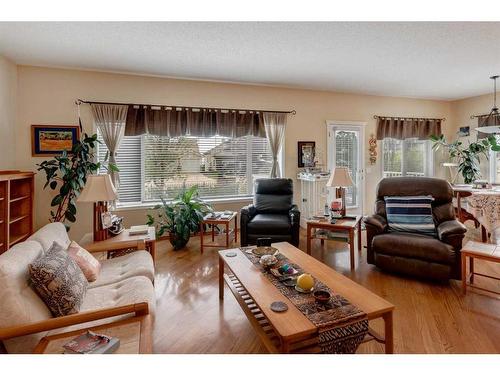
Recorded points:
345,149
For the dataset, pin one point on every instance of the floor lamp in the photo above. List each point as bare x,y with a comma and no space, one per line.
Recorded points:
100,190
340,179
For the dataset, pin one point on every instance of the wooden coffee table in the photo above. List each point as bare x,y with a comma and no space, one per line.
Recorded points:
291,331
478,250
347,225
229,233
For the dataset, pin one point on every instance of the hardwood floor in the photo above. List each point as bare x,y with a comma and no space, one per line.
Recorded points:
429,317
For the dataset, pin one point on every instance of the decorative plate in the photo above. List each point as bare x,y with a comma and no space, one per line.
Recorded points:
299,289
264,250
279,306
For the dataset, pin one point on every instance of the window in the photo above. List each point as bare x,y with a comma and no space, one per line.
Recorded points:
152,167
409,157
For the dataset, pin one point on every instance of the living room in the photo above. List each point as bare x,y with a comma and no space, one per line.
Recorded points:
243,190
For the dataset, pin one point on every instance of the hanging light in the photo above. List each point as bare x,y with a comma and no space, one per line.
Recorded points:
495,128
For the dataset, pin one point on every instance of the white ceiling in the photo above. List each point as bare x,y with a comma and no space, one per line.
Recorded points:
424,60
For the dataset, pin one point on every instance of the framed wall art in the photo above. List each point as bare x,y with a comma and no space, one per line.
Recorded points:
51,140
306,153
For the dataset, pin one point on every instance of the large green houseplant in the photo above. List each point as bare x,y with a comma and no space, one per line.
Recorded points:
67,173
179,217
467,156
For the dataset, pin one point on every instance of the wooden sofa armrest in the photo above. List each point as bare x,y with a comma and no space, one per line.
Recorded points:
139,309
105,246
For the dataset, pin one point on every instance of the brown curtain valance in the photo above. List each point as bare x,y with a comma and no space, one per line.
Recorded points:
203,122
403,128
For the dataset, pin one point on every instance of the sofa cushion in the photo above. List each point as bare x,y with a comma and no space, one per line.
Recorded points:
20,304
89,265
128,291
269,224
410,214
50,233
412,245
137,263
58,281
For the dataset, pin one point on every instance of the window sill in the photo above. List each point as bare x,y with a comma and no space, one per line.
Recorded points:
150,205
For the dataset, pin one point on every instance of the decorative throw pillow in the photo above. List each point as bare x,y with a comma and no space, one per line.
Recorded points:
89,265
410,214
58,281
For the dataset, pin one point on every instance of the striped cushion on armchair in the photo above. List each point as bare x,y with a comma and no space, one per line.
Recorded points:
411,214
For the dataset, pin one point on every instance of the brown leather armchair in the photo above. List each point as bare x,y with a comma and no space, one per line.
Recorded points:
417,255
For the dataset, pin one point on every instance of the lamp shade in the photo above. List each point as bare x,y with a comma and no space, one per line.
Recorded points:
98,188
340,177
492,129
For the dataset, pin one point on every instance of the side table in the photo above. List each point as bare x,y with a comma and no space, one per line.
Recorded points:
348,225
478,250
125,236
230,233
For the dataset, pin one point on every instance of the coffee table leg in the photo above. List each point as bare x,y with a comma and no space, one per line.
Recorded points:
308,239
464,273
221,278
389,334
351,248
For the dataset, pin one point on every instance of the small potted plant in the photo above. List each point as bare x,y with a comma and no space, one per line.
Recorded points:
179,217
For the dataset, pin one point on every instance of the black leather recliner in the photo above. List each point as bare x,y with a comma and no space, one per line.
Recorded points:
272,213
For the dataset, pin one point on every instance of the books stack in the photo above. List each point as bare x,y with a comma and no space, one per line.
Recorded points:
136,230
92,343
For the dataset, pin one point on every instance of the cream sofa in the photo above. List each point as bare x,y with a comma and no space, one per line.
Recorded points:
125,280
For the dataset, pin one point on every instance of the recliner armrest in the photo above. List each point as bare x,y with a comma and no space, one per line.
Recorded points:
450,228
294,215
377,222
248,211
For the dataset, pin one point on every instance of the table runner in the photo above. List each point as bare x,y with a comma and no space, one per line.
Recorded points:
341,325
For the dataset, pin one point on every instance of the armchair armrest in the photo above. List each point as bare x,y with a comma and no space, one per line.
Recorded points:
377,223
139,309
106,246
294,215
246,214
248,211
449,230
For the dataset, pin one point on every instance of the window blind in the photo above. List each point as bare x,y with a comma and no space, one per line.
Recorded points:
409,157
152,167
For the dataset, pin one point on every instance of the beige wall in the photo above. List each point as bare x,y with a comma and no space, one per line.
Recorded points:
8,94
462,110
46,96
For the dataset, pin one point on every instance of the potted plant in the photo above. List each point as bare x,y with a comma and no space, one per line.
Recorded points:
467,156
179,217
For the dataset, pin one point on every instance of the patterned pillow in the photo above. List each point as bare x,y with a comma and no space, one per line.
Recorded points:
58,281
410,214
89,265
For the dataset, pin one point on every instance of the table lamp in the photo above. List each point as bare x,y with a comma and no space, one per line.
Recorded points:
340,179
100,190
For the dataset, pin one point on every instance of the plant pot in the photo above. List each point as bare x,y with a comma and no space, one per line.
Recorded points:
178,241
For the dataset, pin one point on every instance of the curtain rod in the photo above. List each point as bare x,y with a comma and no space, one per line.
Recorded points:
80,101
407,118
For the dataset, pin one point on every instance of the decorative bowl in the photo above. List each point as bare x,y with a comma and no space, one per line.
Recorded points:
299,289
268,260
264,250
322,296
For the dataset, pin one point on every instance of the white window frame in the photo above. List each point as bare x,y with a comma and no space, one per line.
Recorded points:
141,205
429,162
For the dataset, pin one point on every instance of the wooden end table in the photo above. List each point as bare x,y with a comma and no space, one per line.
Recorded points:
125,236
134,334
478,250
348,225
230,233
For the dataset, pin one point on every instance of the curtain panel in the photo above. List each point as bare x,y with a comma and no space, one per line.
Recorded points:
401,128
204,122
110,120
275,124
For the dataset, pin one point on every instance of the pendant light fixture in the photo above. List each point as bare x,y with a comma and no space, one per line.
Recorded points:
495,128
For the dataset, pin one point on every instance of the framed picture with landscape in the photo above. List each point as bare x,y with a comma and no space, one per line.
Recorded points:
51,140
